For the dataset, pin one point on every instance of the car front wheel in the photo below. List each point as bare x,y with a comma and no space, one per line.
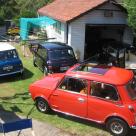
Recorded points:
117,127
42,105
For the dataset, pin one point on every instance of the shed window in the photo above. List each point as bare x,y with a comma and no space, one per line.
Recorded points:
57,27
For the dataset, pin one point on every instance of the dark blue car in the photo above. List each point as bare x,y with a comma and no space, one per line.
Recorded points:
10,62
52,57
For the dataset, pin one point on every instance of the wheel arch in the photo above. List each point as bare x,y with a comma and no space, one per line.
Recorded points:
118,117
39,97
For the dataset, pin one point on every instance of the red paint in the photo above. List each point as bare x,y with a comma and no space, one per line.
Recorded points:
87,106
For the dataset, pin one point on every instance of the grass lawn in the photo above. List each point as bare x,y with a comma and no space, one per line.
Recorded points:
14,97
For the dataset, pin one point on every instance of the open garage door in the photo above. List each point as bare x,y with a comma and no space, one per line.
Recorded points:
96,35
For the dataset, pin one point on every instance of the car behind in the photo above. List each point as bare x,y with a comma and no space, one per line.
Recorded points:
10,62
53,57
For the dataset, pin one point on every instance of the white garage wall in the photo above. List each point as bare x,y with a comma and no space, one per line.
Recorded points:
95,17
51,33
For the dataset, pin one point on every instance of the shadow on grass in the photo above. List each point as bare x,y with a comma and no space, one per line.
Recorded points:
13,78
23,96
131,132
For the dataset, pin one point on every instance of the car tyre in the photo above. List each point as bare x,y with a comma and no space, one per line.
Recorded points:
117,127
45,71
42,105
22,75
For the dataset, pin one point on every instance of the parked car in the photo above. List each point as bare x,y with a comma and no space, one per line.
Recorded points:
13,31
10,62
100,93
53,57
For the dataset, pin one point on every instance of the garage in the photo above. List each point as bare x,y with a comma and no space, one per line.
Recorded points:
90,27
105,44
97,35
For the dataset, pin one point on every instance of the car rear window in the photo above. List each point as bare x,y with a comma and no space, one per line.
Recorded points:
4,55
131,89
61,54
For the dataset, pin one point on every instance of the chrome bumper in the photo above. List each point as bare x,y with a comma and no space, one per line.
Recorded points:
133,127
11,73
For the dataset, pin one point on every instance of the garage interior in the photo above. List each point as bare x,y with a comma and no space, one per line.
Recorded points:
97,36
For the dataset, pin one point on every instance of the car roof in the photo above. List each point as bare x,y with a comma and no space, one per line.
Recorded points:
6,46
112,75
55,45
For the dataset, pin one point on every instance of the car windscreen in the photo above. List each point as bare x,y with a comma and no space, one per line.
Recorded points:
9,54
131,89
61,54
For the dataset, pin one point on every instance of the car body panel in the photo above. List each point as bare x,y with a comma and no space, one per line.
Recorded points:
11,66
72,103
114,75
88,106
45,86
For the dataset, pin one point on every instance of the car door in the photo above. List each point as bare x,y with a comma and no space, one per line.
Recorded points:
71,97
40,57
103,100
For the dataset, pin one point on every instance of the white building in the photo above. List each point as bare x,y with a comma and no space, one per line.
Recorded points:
83,23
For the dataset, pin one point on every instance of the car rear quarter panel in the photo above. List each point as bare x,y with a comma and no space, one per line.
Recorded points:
122,110
122,113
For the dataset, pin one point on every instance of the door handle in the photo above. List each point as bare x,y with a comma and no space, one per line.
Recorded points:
81,99
55,94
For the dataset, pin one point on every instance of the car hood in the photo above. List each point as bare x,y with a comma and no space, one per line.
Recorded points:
49,82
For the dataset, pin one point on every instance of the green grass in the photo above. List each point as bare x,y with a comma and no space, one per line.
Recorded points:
14,97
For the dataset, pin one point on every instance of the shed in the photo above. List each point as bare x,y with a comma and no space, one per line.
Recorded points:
82,24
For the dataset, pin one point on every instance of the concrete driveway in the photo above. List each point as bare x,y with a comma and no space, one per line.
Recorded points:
40,128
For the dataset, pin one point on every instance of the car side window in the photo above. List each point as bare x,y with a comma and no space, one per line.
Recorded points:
74,85
42,52
105,91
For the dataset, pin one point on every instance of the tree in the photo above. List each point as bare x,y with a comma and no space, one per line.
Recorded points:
15,9
8,10
130,5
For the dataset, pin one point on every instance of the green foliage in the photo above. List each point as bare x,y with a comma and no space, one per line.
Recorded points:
8,9
15,9
130,5
1,21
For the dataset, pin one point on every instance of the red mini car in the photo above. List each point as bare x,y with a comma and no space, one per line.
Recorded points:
103,94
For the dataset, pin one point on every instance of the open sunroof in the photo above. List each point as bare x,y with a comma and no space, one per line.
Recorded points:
96,69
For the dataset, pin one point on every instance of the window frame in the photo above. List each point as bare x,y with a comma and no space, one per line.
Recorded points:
109,100
57,27
126,88
41,50
70,91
